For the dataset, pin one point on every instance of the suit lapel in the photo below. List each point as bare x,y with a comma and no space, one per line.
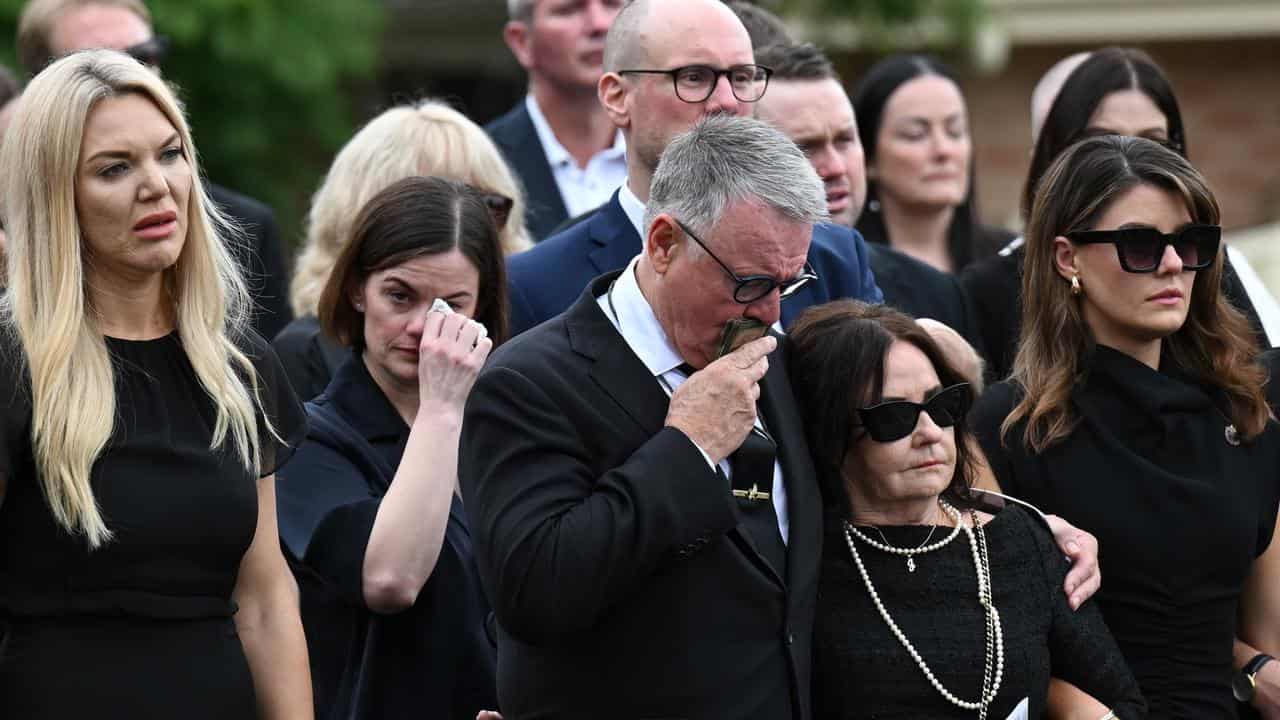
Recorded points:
615,238
804,512
617,370
543,194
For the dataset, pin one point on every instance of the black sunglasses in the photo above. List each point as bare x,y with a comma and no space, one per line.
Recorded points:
1141,249
150,52
751,288
896,419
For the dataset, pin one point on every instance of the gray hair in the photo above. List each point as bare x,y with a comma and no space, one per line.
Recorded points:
725,159
520,9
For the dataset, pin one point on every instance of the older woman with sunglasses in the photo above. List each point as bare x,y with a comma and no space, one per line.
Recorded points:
927,606
1136,411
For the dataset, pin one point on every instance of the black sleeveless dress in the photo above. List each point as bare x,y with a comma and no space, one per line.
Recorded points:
1180,513
143,626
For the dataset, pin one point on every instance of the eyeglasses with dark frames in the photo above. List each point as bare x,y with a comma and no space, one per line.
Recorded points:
1141,249
696,83
896,419
751,288
150,52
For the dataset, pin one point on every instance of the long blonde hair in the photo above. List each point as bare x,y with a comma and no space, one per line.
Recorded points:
47,305
1214,344
422,138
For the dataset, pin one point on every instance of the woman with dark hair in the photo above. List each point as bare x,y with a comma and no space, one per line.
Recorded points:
370,510
914,126
1115,90
899,631
1136,411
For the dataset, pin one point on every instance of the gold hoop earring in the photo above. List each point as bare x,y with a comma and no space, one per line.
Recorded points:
1075,285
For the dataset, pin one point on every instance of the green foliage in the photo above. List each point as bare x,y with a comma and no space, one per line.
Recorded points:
894,24
266,84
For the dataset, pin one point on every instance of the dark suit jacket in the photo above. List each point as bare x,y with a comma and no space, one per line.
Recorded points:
545,280
921,290
516,137
622,584
262,261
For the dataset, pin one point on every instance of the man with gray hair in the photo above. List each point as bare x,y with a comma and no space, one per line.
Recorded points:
558,139
668,63
645,512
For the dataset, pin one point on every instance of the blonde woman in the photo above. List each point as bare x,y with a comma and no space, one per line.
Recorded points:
422,138
141,423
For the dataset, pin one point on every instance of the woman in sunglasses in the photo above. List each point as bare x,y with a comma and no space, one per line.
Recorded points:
926,606
423,138
1136,412
370,514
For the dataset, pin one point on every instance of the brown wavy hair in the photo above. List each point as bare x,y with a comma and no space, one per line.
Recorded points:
1214,344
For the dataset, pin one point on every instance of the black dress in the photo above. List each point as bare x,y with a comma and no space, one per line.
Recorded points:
141,627
1180,514
861,670
436,659
308,355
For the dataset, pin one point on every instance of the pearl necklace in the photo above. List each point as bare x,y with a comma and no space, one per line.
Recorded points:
911,552
993,672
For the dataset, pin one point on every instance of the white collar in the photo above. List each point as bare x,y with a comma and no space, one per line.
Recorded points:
631,313
556,153
634,210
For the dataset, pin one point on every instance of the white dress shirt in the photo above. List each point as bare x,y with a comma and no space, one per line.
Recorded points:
582,189
629,311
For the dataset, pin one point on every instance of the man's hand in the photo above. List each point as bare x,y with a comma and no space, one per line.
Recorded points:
716,406
1081,549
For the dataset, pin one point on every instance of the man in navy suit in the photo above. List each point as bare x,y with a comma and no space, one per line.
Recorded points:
558,139
663,72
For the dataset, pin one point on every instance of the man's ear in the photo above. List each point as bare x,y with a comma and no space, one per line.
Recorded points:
516,35
662,245
611,90
1064,258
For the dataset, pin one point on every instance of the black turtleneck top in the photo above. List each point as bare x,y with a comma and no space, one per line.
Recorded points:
1180,513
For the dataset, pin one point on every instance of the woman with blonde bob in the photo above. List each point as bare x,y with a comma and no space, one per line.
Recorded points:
140,426
419,139
1135,410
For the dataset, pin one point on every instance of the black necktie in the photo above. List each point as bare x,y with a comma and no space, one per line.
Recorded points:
752,464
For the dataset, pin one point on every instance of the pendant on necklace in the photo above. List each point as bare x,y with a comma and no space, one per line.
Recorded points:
911,564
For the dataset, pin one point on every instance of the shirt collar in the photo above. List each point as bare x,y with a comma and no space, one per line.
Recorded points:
634,210
638,325
556,153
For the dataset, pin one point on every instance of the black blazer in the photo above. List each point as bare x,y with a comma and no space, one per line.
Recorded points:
621,581
516,137
921,290
262,260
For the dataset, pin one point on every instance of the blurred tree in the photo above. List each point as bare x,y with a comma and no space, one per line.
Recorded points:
885,25
268,85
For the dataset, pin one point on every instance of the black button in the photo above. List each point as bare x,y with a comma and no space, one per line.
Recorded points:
791,638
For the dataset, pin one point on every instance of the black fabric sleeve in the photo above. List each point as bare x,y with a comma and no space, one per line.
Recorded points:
277,405
1081,648
15,405
326,512
985,419
559,543
302,357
